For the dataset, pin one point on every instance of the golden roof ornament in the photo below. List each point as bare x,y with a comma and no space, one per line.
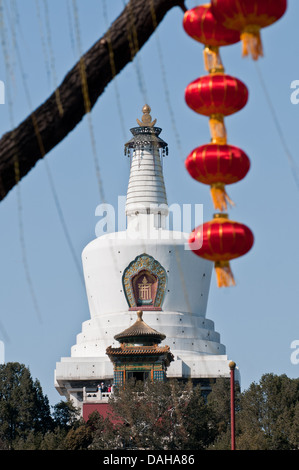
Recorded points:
146,118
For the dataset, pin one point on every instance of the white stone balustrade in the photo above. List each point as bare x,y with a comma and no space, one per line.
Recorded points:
95,396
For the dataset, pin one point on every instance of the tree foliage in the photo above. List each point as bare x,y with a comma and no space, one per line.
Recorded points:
266,415
159,416
65,415
152,416
23,407
268,418
26,421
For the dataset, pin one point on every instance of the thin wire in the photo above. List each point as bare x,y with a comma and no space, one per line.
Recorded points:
113,71
48,171
134,49
43,41
85,92
164,79
17,171
4,333
52,59
71,27
292,163
173,122
87,100
63,223
50,177
13,34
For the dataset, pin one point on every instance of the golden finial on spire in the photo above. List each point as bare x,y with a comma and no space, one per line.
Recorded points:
146,118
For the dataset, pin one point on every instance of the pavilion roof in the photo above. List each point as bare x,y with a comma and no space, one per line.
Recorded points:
140,330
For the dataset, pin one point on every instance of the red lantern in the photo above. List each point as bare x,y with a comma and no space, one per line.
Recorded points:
201,25
221,240
217,166
248,17
216,96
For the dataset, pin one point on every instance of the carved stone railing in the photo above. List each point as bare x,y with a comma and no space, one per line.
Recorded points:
95,396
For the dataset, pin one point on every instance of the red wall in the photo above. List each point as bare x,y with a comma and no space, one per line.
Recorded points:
102,408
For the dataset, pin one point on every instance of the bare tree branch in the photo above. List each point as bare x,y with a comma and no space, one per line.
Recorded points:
47,126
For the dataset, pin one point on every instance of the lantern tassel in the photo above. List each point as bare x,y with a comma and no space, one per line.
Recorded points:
217,129
252,42
225,277
220,197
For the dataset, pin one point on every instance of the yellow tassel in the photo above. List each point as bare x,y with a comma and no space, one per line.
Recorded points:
212,60
251,42
217,129
225,277
220,197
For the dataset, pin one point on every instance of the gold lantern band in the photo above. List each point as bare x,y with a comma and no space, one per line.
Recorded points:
212,59
217,129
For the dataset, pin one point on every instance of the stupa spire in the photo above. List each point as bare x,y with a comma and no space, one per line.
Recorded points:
146,190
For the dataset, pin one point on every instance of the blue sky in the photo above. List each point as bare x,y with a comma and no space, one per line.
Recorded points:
258,319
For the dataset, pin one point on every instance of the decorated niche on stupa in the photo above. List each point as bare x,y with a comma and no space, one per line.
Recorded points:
144,283
139,356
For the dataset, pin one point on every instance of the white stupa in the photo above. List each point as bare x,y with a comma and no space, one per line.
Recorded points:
146,267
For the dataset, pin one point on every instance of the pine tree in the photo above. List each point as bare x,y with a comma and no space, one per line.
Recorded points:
23,407
268,418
